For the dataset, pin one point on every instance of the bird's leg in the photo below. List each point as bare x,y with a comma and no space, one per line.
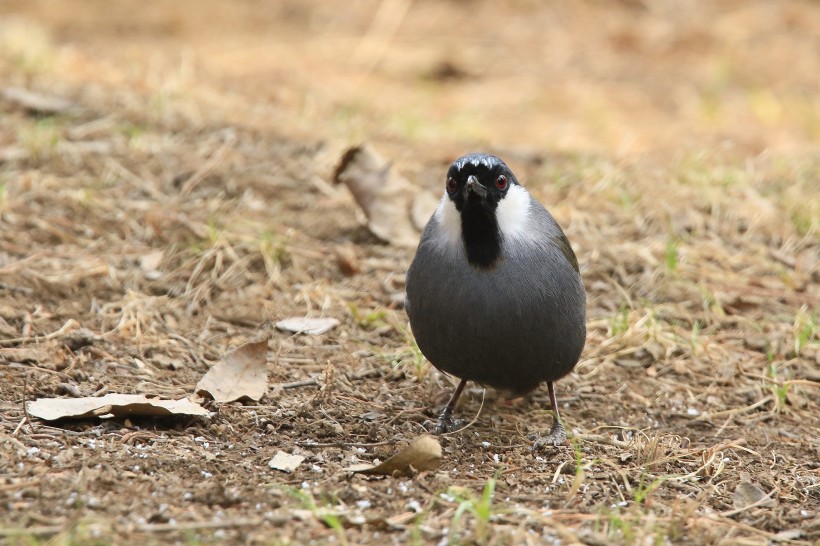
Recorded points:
558,434
445,420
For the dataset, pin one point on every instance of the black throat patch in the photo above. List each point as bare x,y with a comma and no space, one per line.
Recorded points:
481,236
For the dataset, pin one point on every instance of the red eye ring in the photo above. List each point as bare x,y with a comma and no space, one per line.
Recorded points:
501,182
452,185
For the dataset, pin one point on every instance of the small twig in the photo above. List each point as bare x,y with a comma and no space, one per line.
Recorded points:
27,324
296,384
345,444
314,381
101,391
20,485
29,531
558,471
715,518
733,412
22,422
194,525
296,360
364,374
601,439
806,382
783,258
26,417
32,367
71,324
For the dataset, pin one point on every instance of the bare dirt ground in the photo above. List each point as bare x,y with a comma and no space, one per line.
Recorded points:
184,202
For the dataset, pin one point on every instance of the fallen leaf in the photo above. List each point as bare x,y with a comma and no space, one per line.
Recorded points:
116,405
422,208
423,454
347,260
396,210
306,325
242,373
285,461
748,493
150,262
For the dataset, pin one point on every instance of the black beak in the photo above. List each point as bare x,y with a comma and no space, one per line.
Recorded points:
473,187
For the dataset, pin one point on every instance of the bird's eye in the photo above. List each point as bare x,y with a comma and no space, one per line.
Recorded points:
501,182
452,185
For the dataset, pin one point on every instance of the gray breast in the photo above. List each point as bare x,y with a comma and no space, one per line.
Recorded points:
513,326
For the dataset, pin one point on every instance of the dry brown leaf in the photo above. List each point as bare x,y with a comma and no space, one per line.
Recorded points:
116,405
423,454
747,494
242,373
285,461
396,210
307,325
347,260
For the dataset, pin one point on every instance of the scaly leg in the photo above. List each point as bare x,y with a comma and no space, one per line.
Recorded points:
558,434
445,420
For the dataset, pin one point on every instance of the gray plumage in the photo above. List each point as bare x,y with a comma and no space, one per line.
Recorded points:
512,326
511,321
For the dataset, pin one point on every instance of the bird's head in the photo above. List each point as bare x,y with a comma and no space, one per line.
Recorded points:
483,206
478,181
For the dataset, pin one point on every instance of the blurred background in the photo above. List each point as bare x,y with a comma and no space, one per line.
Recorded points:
617,78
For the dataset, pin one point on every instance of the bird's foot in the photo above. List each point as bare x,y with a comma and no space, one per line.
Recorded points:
444,424
556,437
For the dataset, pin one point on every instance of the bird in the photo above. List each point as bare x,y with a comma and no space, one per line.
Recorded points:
494,293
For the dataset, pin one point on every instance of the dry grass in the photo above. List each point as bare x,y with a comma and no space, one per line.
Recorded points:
183,204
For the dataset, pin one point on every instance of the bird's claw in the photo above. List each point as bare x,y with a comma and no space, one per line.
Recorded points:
556,437
443,424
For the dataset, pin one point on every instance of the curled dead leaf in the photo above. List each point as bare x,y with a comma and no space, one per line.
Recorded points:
115,405
307,325
423,454
396,210
242,373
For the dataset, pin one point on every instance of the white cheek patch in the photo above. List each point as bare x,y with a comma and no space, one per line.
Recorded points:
449,222
513,212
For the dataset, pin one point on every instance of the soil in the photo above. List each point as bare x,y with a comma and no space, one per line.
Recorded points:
173,199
